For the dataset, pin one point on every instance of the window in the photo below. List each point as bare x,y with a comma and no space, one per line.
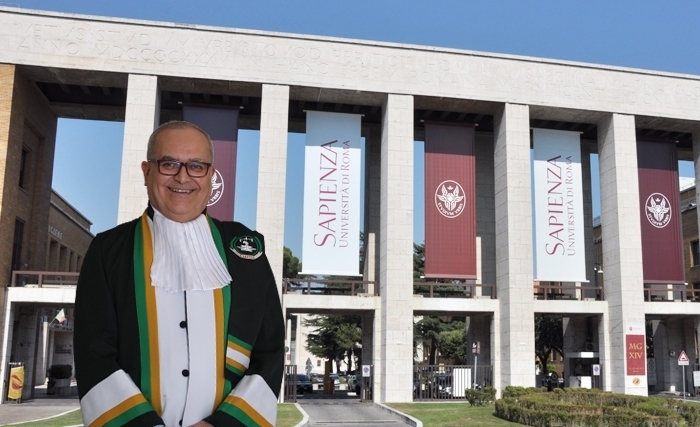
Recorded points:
17,244
23,167
694,253
318,363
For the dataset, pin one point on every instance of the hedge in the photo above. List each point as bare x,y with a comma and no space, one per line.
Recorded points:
582,408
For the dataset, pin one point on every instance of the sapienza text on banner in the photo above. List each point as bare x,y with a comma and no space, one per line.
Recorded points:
329,194
561,213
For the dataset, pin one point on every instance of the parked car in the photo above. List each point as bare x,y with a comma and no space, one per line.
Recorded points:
304,384
336,380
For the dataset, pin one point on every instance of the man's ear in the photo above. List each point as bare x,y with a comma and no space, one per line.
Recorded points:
145,167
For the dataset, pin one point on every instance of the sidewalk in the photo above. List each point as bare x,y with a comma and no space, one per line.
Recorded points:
41,406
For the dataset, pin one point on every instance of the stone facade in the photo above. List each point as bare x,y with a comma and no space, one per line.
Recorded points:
141,72
68,236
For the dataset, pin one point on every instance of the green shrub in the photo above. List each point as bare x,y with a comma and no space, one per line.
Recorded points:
581,408
517,391
59,372
490,393
480,398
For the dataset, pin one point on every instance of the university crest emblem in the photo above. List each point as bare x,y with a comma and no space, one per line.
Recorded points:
217,188
449,199
658,210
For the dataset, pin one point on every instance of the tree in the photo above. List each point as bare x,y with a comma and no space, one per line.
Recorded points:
290,264
363,251
453,345
549,337
418,262
428,330
348,336
335,336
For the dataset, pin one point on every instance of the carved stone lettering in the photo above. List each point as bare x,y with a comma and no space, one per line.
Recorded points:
47,39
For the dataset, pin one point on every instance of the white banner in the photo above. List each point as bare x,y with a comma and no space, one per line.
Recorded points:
331,235
560,251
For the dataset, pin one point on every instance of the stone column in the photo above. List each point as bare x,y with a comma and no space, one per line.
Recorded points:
675,338
575,337
377,351
622,244
485,211
367,340
373,165
373,161
141,117
514,353
396,250
272,174
689,347
288,339
301,341
588,218
479,329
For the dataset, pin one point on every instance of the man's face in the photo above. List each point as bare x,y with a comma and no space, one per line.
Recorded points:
180,197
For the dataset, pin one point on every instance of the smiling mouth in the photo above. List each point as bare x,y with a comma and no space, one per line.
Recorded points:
180,190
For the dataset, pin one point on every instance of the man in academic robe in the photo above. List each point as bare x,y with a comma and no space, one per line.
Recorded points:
178,321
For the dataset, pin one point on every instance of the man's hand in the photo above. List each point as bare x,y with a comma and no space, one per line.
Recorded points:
202,424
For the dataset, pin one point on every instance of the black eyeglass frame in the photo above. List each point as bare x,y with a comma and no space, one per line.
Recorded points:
181,164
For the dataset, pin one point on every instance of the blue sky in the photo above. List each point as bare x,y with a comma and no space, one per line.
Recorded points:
640,34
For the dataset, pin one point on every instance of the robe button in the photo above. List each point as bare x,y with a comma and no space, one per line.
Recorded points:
183,324
185,373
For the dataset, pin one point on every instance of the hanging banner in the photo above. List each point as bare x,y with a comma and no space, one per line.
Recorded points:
14,391
331,234
222,126
450,202
662,241
559,253
635,355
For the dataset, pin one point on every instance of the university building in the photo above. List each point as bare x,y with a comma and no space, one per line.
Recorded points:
40,295
145,73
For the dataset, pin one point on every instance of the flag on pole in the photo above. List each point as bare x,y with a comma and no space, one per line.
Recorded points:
61,316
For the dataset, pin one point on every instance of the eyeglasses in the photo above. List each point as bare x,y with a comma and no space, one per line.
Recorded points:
172,167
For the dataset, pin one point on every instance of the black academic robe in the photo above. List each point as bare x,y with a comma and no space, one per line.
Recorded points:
106,336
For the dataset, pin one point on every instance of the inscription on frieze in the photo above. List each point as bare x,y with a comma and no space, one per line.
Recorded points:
297,59
172,47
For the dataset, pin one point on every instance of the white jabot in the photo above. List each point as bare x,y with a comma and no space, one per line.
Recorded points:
185,257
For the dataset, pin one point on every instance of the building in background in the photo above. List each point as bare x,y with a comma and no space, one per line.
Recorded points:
39,301
501,107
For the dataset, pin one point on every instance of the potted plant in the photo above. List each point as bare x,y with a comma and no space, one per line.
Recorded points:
59,376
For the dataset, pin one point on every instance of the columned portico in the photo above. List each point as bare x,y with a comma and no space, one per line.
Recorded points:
277,78
622,243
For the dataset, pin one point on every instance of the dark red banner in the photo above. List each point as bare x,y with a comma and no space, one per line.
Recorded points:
662,248
635,349
222,126
450,202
